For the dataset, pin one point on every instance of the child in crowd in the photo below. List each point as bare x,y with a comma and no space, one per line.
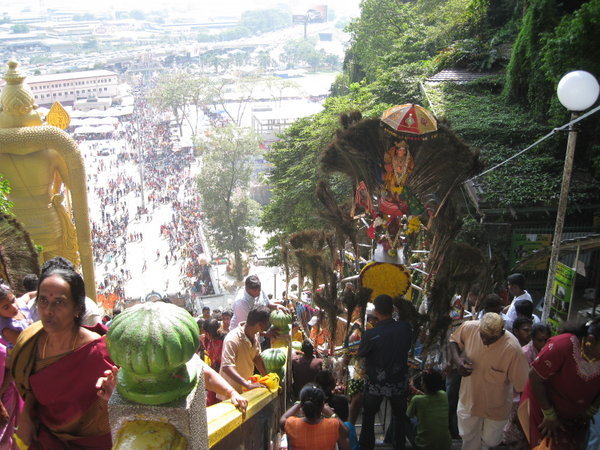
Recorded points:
226,320
14,317
431,411
297,332
10,403
313,431
540,333
342,410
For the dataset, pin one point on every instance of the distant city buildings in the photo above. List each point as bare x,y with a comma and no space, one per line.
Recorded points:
70,87
269,122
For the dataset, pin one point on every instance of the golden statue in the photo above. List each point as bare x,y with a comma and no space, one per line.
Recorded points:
44,168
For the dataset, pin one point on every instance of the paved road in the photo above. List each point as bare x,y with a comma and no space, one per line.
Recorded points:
148,272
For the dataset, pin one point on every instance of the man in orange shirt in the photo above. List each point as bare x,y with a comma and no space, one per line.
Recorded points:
491,363
241,350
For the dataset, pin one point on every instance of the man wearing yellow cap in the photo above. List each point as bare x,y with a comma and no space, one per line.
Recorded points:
492,363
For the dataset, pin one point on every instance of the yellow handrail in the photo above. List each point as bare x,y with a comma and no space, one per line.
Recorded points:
224,418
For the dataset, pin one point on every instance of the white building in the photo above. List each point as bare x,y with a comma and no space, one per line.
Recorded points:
268,121
72,86
88,104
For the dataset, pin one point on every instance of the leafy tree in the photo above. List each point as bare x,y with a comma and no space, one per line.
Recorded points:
234,33
264,60
210,58
5,204
277,86
203,36
293,179
333,61
260,21
184,96
300,51
315,58
573,43
171,94
223,186
19,28
233,95
199,96
526,82
238,57
390,33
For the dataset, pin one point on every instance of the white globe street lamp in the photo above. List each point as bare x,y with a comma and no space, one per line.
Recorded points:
577,91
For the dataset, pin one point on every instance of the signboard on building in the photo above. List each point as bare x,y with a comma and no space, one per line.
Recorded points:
523,245
299,18
562,293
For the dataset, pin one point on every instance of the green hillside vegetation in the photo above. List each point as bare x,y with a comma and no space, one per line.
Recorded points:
523,48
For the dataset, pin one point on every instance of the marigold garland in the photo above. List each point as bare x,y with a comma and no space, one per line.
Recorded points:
414,225
385,278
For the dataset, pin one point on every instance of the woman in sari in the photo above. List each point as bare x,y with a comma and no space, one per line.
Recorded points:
10,403
563,391
63,370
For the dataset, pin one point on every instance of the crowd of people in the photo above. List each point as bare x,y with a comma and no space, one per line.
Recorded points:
506,380
168,182
520,387
60,376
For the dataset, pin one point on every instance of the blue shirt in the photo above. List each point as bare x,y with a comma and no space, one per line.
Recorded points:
385,349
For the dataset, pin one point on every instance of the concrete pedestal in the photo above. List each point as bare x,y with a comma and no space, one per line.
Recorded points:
187,415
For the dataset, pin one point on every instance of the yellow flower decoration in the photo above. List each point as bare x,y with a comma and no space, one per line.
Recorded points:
414,225
385,278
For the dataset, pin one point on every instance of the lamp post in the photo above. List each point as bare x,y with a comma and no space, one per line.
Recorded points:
275,272
577,91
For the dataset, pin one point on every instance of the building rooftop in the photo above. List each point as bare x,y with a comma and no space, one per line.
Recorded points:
457,76
68,76
300,110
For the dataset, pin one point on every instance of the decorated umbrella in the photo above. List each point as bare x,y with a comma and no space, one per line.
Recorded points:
409,119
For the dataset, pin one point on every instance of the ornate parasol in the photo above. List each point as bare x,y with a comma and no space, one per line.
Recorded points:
409,119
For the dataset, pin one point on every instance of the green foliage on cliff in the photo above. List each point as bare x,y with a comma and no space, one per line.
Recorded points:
555,38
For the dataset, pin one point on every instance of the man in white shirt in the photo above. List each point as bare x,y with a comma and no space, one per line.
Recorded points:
250,296
516,287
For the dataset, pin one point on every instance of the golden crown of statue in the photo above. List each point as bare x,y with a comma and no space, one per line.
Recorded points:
18,105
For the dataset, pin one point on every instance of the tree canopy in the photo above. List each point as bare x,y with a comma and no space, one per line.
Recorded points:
223,185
